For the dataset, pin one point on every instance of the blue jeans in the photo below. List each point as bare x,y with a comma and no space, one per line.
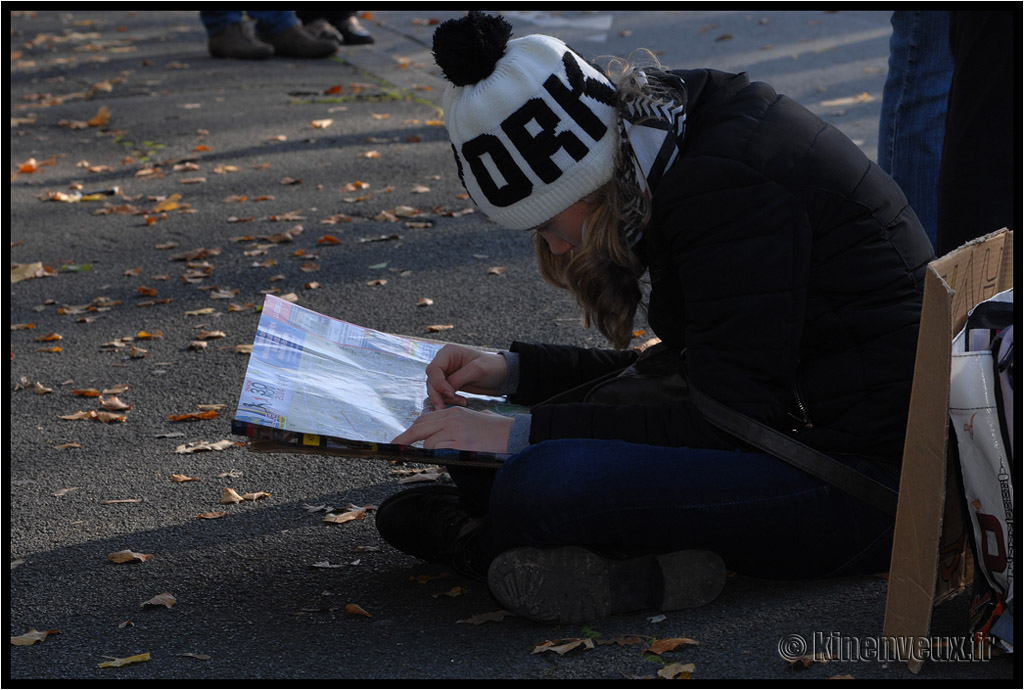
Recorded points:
268,23
913,119
763,516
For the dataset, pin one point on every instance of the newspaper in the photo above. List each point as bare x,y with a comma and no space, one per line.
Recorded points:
318,384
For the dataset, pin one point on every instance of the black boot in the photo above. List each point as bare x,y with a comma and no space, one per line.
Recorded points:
238,41
434,523
573,585
297,43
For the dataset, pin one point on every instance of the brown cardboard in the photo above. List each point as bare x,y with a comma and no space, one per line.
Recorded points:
931,554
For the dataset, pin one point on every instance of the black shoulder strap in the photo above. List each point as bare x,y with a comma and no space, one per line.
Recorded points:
780,445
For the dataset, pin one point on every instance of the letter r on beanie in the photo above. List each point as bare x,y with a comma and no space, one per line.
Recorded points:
534,135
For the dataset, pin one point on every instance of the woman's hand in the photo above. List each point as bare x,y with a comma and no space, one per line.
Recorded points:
457,427
456,367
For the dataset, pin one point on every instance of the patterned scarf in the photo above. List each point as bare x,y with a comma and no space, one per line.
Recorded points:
651,130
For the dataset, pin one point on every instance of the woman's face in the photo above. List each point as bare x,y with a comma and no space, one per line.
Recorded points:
564,232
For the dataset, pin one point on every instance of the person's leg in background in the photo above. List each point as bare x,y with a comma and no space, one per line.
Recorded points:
913,120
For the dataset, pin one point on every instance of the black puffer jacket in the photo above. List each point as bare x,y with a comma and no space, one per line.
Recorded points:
787,264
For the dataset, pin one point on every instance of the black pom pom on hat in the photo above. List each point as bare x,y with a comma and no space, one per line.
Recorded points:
467,49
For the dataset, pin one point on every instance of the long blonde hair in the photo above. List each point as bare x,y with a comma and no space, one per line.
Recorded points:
604,273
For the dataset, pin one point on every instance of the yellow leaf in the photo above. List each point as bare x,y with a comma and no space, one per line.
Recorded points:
117,663
32,636
168,204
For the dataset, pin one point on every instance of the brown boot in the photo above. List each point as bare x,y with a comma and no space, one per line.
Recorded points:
296,42
236,41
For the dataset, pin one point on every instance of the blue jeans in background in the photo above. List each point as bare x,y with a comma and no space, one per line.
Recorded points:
764,517
913,120
268,23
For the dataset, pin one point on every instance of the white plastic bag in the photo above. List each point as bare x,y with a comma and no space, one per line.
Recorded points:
981,409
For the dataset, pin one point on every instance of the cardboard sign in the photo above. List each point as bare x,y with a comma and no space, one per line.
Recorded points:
931,558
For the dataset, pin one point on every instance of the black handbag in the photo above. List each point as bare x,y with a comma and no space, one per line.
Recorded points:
658,377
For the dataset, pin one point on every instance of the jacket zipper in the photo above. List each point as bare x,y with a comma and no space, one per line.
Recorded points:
806,419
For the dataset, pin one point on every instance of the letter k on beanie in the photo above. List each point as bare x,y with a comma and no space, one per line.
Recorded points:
532,124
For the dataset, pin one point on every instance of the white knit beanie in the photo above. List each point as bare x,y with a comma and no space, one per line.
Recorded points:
532,124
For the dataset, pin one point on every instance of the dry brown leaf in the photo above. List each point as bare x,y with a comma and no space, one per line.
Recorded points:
668,644
64,492
198,446
356,610
112,402
677,671
496,270
183,478
117,663
348,516
166,599
438,328
112,501
32,636
128,556
493,616
40,389
255,495
231,496
321,124
455,591
188,416
66,446
212,515
562,646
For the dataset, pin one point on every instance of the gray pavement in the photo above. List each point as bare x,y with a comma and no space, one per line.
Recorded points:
261,593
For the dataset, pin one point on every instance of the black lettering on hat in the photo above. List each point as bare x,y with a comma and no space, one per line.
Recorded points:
538,149
579,86
517,185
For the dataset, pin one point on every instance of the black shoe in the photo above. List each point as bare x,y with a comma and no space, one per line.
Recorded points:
574,585
238,41
353,32
435,524
295,42
323,30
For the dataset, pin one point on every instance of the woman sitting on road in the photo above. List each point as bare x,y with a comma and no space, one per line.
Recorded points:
787,266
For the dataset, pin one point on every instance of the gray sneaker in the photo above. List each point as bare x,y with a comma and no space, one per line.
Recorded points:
237,41
297,43
574,585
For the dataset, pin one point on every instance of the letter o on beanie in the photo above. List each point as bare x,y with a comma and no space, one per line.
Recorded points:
532,124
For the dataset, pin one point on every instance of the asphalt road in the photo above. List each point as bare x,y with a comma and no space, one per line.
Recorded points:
132,279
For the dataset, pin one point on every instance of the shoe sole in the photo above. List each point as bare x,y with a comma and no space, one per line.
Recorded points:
573,585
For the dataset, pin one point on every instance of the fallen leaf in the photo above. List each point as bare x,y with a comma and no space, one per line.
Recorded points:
424,302
496,270
453,592
66,446
255,495
231,496
128,556
101,118
562,646
356,610
112,501
677,671
63,492
201,657
212,515
493,616
198,446
188,416
183,478
321,124
40,389
166,599
32,636
438,328
117,663
348,516
668,644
